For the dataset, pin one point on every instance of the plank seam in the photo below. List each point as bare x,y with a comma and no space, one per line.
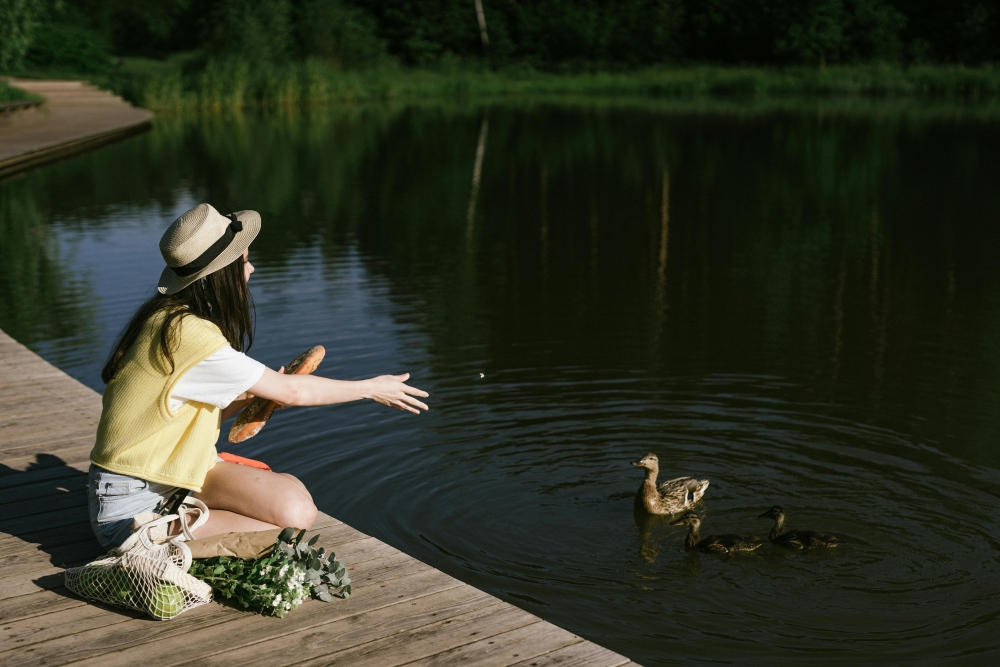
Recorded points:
499,603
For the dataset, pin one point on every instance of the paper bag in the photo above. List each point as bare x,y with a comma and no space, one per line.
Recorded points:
236,545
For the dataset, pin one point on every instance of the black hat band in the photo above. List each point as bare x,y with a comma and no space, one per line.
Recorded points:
213,251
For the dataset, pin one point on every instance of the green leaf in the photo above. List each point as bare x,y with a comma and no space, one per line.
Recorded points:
314,540
286,534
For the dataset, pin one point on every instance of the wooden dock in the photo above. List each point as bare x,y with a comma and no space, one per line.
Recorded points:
75,117
402,612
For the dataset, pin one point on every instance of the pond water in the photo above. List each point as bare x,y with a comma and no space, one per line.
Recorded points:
800,303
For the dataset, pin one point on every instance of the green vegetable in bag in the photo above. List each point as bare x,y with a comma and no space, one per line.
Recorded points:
92,580
166,602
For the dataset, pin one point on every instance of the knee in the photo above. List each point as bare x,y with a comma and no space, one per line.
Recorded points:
297,510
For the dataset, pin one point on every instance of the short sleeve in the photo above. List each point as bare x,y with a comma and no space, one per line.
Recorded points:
218,379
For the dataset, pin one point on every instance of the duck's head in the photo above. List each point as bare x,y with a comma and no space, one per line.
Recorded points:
649,462
688,519
777,513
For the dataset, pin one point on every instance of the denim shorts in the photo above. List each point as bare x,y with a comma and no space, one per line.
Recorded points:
114,499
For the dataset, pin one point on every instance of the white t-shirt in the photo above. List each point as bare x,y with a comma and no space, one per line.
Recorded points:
217,380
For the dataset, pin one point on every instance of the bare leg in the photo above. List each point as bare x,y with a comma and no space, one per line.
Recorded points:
222,521
244,499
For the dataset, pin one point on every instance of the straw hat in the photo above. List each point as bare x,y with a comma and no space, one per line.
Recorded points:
203,241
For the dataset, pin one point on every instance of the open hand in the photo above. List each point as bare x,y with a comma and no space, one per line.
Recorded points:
391,391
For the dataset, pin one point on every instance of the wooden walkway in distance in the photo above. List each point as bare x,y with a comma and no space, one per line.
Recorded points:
402,612
75,117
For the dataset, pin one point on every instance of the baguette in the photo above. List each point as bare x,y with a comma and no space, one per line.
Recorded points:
253,417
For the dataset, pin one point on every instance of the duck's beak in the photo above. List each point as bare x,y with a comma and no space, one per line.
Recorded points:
678,522
637,463
766,515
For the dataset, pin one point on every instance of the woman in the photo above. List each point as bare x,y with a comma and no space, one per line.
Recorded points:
179,369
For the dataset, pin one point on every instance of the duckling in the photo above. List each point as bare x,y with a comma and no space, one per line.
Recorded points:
795,539
672,496
719,544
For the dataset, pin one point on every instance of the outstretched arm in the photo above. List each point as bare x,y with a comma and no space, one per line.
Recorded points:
241,402
389,390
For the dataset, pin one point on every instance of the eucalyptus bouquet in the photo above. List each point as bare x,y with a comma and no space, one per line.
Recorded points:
280,582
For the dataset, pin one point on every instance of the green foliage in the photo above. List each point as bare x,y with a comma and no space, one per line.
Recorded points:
816,33
875,32
823,31
9,93
565,36
254,31
979,32
281,581
545,33
232,84
223,84
18,19
338,33
64,47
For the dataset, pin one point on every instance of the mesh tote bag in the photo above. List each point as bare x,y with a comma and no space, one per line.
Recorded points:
148,572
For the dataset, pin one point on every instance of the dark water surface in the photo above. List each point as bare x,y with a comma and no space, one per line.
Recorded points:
801,305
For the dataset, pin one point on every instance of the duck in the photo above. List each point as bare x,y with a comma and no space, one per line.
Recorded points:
670,497
720,544
795,539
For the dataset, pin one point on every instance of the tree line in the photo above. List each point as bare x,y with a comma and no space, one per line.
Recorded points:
553,35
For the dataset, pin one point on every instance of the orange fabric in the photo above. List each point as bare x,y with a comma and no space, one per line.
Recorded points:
232,458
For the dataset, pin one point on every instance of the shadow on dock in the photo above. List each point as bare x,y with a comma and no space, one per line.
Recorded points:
46,505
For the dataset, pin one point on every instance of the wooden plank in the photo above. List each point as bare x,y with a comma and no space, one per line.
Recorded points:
69,149
403,611
13,469
81,615
48,537
43,472
406,644
28,461
392,616
504,649
57,624
120,643
71,123
29,569
65,445
20,525
45,405
37,434
28,561
43,577
37,604
58,501
24,386
581,654
69,480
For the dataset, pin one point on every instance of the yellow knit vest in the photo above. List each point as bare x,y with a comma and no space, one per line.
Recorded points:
138,434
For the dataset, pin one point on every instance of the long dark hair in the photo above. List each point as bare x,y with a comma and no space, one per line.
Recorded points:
221,297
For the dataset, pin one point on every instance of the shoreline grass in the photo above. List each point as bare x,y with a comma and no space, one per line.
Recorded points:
185,82
9,93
